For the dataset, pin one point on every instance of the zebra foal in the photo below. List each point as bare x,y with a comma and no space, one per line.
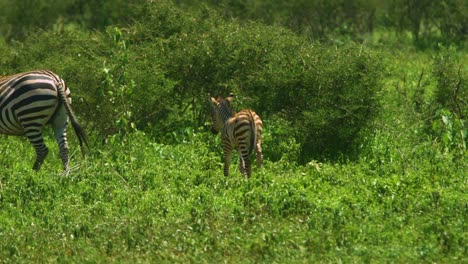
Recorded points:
241,131
31,100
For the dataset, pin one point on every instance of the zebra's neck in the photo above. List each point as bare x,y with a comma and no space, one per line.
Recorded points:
226,113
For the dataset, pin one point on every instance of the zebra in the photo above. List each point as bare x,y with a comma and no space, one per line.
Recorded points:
31,100
241,131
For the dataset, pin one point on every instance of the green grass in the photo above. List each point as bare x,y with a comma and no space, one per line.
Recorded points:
402,200
143,201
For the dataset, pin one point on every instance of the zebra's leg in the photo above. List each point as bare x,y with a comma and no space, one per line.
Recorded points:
244,163
258,150
59,124
35,137
245,167
227,160
241,165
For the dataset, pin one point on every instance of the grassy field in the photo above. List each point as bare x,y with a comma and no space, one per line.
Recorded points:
151,202
364,139
136,200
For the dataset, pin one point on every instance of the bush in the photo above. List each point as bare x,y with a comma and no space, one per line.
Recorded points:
18,19
450,103
316,19
155,79
430,22
338,98
327,94
451,76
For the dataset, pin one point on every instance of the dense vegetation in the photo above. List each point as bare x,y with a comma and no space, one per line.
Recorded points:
364,106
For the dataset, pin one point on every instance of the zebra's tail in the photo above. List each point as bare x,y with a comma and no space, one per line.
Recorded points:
74,121
253,128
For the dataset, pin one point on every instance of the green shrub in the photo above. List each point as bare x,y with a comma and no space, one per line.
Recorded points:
430,22
451,132
338,98
451,75
18,19
315,19
327,94
450,107
155,74
279,141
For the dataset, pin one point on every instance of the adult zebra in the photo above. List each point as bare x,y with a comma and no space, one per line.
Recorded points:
29,101
241,131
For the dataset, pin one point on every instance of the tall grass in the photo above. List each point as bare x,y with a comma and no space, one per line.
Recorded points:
151,189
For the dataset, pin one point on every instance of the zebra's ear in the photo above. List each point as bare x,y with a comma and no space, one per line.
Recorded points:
212,100
230,97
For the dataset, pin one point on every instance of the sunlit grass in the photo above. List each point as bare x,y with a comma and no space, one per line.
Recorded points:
153,202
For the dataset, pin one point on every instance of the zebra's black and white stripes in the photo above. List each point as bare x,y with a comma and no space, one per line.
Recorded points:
31,100
241,131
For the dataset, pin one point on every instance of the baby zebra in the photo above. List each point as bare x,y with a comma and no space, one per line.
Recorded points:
241,131
29,101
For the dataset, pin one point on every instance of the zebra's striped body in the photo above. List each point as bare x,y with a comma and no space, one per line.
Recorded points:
31,100
241,131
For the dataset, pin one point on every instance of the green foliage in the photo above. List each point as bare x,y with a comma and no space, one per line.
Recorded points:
278,141
364,144
430,22
119,88
339,99
451,132
327,93
450,71
154,76
19,18
147,202
336,21
450,104
317,19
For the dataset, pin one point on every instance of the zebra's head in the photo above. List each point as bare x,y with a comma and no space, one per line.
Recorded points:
221,111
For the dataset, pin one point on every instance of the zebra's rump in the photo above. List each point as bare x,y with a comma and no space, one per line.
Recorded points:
242,129
27,101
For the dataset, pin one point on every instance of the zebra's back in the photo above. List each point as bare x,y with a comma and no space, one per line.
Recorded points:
27,101
241,129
